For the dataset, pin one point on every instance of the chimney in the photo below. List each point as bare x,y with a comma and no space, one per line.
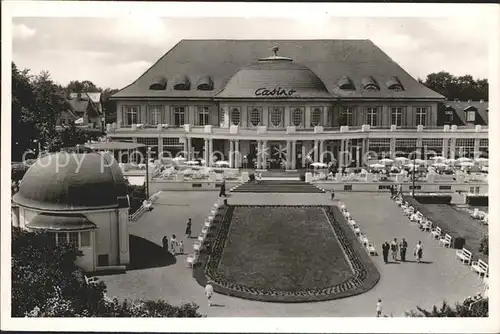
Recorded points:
481,101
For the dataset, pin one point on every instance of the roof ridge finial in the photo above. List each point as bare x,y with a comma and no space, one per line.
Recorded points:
275,50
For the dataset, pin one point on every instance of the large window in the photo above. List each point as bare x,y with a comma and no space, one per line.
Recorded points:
471,116
154,115
371,116
235,116
130,115
421,116
203,113
464,147
316,117
397,116
405,146
79,239
179,115
347,118
255,117
297,116
276,116
432,146
379,146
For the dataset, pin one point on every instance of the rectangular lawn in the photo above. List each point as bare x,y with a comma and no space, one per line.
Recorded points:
286,248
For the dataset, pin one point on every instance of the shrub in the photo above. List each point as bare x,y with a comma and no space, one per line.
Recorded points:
302,177
433,199
477,200
483,247
251,177
479,309
18,170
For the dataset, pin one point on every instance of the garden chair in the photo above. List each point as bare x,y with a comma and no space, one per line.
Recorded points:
191,260
426,226
371,249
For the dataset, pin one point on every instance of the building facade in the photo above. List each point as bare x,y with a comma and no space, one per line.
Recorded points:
296,101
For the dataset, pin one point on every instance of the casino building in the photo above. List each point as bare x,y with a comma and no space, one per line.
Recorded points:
301,97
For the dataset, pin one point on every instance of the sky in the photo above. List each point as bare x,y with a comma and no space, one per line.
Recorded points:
113,52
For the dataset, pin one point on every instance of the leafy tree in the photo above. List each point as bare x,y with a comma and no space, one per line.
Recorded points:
85,86
47,283
462,88
109,106
483,247
468,308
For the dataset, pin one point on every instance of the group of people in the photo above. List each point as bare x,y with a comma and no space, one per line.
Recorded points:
177,246
394,247
396,190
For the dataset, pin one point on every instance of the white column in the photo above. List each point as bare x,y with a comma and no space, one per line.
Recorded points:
185,148
321,150
264,153
210,151
476,148
294,157
237,154
205,152
259,155
231,153
190,149
288,154
341,151
316,155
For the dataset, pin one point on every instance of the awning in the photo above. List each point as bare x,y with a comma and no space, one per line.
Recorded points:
114,145
60,222
136,180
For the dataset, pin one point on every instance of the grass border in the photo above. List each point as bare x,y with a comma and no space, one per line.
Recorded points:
365,276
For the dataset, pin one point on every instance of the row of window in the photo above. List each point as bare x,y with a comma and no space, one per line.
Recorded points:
79,239
156,115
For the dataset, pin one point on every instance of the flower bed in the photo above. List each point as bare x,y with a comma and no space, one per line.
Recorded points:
288,255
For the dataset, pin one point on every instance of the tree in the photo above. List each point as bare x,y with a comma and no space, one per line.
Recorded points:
47,283
85,86
108,105
462,88
469,308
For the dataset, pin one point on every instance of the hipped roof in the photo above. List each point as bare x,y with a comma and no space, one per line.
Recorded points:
329,59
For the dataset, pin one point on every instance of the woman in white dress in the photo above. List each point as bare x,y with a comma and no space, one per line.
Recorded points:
419,251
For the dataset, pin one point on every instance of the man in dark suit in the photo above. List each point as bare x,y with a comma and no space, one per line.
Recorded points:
385,251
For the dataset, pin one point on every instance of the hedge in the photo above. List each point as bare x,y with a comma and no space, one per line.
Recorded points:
18,170
476,200
433,199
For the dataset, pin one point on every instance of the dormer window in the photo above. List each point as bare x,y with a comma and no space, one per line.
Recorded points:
181,83
369,84
205,83
448,112
158,83
471,116
394,84
345,83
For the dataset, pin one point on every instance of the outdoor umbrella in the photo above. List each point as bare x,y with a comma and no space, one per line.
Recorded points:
450,161
466,164
179,158
440,165
401,159
419,161
192,162
463,159
386,161
377,166
439,158
222,163
318,164
482,161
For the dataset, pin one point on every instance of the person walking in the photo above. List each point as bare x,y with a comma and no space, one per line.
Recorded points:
209,291
391,188
164,241
385,251
173,244
394,249
402,249
222,192
181,247
332,195
419,251
379,308
188,228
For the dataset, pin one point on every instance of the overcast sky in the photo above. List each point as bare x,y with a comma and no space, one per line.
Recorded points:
113,52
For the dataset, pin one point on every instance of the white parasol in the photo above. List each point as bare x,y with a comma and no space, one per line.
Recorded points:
466,164
386,161
401,159
419,161
438,158
191,162
221,163
464,159
439,165
377,166
319,164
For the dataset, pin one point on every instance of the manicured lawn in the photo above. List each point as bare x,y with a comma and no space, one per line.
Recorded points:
283,248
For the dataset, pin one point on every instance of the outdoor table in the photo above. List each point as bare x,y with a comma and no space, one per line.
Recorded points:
204,230
207,224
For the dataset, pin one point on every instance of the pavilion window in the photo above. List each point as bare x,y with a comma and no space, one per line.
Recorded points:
276,116
131,115
421,116
203,113
347,118
73,238
62,238
85,239
235,116
316,117
154,115
255,117
297,116
179,116
371,116
397,116
471,116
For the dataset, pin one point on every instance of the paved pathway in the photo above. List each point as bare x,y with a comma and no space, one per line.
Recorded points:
402,286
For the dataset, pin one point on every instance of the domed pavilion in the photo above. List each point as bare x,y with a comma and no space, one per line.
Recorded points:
80,199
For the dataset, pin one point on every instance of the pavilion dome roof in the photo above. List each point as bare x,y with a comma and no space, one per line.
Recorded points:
73,182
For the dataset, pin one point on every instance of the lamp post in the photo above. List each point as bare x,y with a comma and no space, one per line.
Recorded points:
413,173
